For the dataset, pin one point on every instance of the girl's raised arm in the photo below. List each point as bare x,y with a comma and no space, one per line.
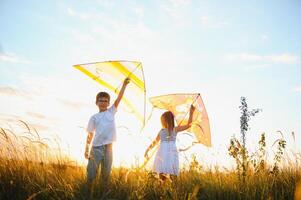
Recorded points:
184,127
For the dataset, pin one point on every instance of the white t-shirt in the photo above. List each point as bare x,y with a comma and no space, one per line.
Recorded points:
102,124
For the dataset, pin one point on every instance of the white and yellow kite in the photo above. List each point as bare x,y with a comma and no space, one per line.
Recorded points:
179,105
111,74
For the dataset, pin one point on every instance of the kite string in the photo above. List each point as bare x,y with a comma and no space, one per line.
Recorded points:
144,97
188,147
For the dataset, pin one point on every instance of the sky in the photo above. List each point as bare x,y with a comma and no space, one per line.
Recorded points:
221,49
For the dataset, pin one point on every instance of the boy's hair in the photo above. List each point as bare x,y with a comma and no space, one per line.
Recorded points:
102,94
168,121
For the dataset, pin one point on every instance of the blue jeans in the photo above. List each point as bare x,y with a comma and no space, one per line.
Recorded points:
100,155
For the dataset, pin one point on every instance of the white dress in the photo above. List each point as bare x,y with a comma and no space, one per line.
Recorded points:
167,158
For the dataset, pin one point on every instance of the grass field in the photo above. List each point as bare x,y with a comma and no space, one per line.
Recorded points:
27,180
59,178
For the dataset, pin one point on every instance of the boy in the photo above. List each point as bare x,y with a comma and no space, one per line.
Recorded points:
102,126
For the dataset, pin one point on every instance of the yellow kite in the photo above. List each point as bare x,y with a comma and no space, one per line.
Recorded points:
111,74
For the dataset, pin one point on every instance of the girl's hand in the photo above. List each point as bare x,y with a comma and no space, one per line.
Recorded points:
145,154
192,109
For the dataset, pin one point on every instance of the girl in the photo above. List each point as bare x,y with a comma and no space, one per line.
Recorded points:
167,159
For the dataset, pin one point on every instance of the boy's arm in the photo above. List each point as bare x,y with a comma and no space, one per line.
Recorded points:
120,95
184,127
89,139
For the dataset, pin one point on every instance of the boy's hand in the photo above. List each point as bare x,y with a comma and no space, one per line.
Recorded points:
126,81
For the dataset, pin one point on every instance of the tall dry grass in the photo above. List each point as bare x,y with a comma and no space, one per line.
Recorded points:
29,170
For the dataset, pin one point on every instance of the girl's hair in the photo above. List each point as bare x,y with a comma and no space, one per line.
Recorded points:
168,121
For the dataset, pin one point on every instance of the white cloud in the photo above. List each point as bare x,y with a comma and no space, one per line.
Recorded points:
82,37
105,3
179,3
255,58
139,11
172,12
297,88
71,12
283,58
85,15
11,91
209,22
204,20
176,10
244,57
13,58
256,67
264,37
82,15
